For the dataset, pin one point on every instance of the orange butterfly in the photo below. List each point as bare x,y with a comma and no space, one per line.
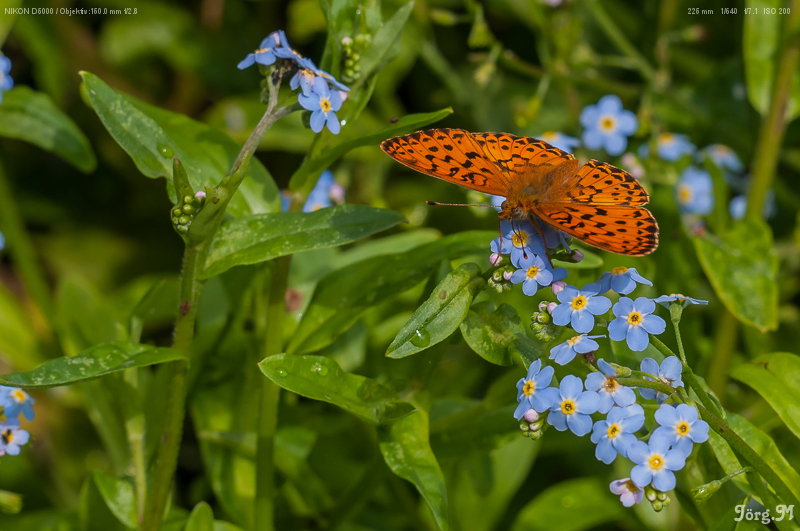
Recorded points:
597,203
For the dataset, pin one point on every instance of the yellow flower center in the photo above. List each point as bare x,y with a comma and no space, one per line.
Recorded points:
579,302
619,270
656,462
519,239
613,431
549,136
631,486
719,149
532,271
7,436
611,384
19,395
608,123
529,388
568,407
634,319
682,428
325,104
666,138
262,50
684,194
574,341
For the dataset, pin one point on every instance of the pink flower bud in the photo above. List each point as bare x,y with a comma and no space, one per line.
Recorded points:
507,274
336,194
495,259
551,307
558,286
542,306
531,415
577,255
200,196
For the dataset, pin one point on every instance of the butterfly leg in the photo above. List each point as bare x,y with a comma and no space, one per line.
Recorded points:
544,241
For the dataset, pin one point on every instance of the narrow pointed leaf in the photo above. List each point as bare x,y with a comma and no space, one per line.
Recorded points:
201,519
438,317
119,497
322,379
93,362
33,117
406,449
496,334
261,237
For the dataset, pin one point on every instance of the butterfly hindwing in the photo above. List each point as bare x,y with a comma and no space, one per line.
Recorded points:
600,183
630,230
449,154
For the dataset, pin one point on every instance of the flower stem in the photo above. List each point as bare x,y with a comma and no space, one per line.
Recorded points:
167,454
270,394
724,345
617,36
773,126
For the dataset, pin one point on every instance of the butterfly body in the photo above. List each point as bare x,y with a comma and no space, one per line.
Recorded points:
596,203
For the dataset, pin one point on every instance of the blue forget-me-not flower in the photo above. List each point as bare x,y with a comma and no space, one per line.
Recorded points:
608,125
323,105
669,372
566,351
634,322
532,273
622,280
664,300
533,391
578,307
629,494
608,388
723,157
573,407
560,140
680,426
695,192
655,463
671,147
6,82
12,437
615,434
265,54
16,401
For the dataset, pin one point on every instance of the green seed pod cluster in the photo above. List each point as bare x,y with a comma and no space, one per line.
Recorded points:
184,212
498,280
352,50
543,327
657,499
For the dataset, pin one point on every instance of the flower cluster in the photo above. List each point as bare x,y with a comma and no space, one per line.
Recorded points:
607,125
315,94
670,147
570,404
14,402
6,83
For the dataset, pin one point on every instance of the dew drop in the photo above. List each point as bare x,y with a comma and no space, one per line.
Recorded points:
319,369
282,373
421,338
165,151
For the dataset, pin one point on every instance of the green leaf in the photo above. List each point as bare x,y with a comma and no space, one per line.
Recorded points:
343,295
380,49
407,451
93,362
440,315
119,497
590,261
776,377
474,430
577,504
33,117
314,166
201,519
762,444
261,237
761,41
153,136
496,334
322,379
741,265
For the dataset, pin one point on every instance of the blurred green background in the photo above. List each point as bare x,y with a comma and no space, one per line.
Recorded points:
519,66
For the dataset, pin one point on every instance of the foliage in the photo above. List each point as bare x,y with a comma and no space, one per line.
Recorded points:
331,352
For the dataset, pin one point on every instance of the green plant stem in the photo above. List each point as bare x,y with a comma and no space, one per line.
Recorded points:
648,384
167,454
270,394
22,250
134,427
748,455
773,126
617,36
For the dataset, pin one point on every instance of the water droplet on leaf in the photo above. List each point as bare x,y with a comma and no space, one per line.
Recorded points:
319,369
165,151
421,338
282,373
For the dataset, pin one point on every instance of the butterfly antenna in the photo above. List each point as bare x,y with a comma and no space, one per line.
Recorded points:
436,203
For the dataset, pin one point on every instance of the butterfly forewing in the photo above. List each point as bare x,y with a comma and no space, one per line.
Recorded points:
600,183
451,155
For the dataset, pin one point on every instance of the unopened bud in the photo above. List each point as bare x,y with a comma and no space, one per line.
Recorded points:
661,496
543,317
577,255
188,208
704,492
657,506
347,41
187,199
200,196
551,307
183,220
542,306
558,286
524,426
621,370
508,274
531,415
650,493
495,259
